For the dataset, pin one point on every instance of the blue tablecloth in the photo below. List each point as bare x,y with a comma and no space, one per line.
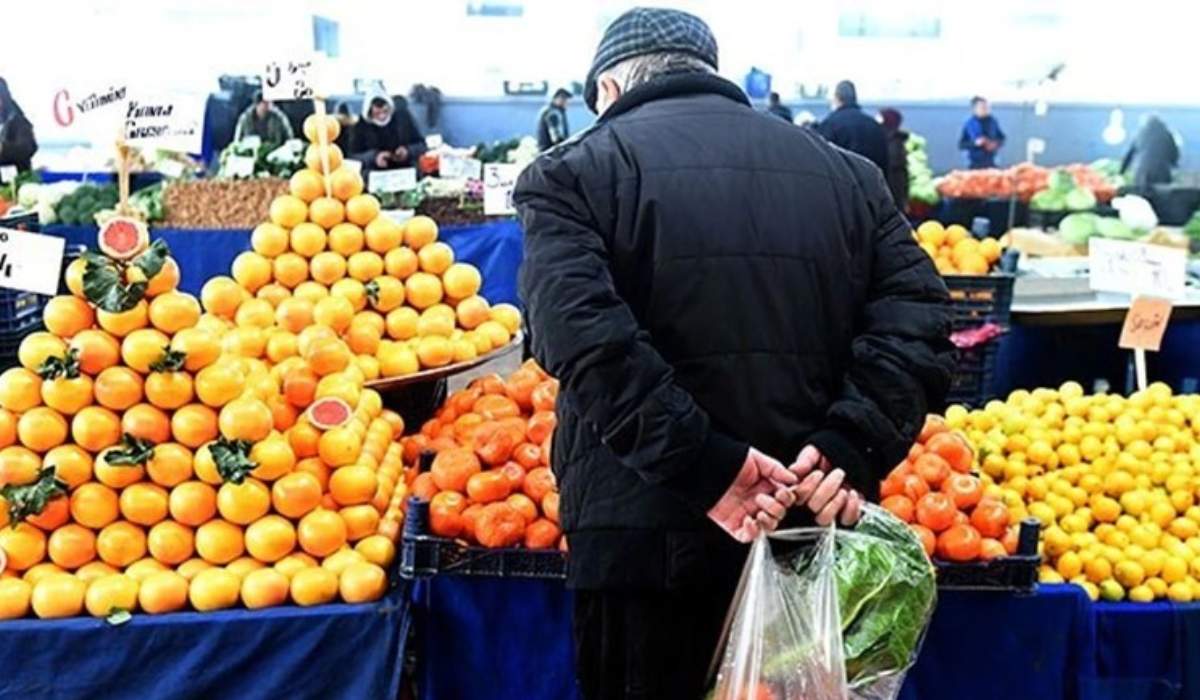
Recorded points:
329,651
494,247
510,638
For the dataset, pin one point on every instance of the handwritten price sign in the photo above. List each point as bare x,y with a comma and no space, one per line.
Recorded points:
30,262
1137,268
1145,324
290,80
499,179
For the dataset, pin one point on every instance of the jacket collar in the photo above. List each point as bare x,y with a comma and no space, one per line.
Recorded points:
675,85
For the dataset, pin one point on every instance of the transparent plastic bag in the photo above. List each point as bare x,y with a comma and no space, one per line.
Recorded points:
827,614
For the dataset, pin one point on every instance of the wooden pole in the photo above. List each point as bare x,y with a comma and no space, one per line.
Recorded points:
323,141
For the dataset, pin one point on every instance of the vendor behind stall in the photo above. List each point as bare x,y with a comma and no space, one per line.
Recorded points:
386,137
1152,156
264,120
981,135
17,144
552,126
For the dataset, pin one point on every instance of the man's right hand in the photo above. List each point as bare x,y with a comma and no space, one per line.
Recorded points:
383,159
822,489
759,497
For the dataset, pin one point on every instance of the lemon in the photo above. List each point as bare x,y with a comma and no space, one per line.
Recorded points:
1129,573
1111,591
1162,514
1157,586
1048,575
1068,565
1099,569
1141,594
1179,592
1174,569
1092,590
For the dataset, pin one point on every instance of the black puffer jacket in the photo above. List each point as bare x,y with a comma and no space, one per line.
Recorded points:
703,278
849,127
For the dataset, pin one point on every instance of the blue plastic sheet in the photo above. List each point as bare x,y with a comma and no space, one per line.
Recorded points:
494,247
329,651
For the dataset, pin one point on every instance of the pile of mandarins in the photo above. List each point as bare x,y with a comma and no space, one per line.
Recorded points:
393,294
490,481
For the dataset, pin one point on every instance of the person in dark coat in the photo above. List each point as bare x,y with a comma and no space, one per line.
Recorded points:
981,136
1152,156
897,143
552,126
386,137
720,294
264,120
778,108
17,144
849,127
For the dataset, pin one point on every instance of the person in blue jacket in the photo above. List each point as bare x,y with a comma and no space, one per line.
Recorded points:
981,135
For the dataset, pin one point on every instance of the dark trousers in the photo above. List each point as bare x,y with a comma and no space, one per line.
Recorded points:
652,645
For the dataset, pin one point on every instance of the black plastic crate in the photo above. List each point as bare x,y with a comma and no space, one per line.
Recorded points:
1015,574
422,556
16,308
979,299
972,383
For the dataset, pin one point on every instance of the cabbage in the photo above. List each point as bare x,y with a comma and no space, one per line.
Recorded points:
1080,199
28,195
1048,200
1062,181
1076,229
1112,227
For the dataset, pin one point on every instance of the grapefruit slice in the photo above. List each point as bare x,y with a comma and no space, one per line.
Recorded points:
122,237
329,413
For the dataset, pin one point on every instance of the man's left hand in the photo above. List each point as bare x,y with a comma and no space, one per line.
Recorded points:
823,489
401,153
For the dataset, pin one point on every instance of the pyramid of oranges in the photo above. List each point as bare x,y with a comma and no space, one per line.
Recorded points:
328,257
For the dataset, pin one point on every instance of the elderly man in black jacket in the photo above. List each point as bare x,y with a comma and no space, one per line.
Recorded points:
852,129
721,294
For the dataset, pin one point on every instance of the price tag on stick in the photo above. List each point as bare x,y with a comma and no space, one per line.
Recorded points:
291,79
1145,325
499,179
400,180
30,262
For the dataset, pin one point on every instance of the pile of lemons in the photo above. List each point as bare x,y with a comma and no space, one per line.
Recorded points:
1114,481
955,252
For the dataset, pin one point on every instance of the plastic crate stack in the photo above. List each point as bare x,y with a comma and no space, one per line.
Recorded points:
976,301
20,315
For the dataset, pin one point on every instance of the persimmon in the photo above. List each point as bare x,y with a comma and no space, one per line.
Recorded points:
523,505
932,469
464,399
424,487
990,518
469,516
465,426
928,539
545,395
550,505
452,468
499,525
964,489
487,487
935,511
538,483
490,384
541,425
990,548
1011,539
959,543
934,425
913,486
541,534
520,386
492,443
900,506
528,455
515,474
952,448
495,407
445,514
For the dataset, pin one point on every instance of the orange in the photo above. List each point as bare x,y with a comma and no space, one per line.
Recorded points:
169,390
214,589
171,312
461,280
401,262
351,485
508,316
96,350
308,239
36,347
362,582
95,428
67,395
243,566
419,232
251,270
499,525
281,345
304,438
71,546
219,542
313,586
219,383
363,339
377,549
144,504
497,333
351,290
453,468
14,598
163,592
170,543
365,266
321,532
294,562
288,210
314,161
327,267
326,212
339,560
345,185
193,425
339,446
24,545
221,296
200,347
274,457
306,185
191,567
120,544
255,313
41,428
192,503
94,505
122,323
265,588
118,388
436,258
246,419
143,347
93,570
335,312
435,351
58,596
436,320
243,503
142,568
71,464
116,475
270,239
273,293
300,386
327,356
20,389
146,422
362,209
312,129
270,539
423,290
346,239
290,269
73,276
361,521
66,315
110,593
472,311
294,315
296,494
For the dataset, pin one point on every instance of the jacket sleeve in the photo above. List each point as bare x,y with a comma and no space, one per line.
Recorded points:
585,334
362,148
240,130
901,357
1000,137
20,144
965,140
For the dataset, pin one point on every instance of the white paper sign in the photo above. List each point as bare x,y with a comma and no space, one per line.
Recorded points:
8,173
292,79
400,180
240,166
456,167
399,216
31,262
90,109
170,167
171,122
499,179
433,141
354,166
252,141
1137,268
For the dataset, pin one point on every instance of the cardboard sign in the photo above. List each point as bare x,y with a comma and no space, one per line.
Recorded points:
173,123
30,262
456,167
1145,324
499,179
1136,268
400,180
8,173
291,80
240,166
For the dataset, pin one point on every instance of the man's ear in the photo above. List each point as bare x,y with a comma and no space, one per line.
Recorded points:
609,92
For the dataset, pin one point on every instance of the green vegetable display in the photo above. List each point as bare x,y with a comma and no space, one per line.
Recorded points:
1192,228
921,187
1063,194
81,206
